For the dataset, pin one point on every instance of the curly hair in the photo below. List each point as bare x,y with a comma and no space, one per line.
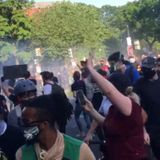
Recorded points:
52,108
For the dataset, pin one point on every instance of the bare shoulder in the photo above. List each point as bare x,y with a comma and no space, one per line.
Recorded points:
19,154
86,153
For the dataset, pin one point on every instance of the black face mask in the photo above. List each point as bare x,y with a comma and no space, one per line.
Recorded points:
31,134
148,73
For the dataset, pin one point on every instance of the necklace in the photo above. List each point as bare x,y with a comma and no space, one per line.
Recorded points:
42,154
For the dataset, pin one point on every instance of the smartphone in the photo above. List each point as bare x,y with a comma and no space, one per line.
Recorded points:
80,96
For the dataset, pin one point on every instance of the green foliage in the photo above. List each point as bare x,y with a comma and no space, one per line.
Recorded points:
112,19
143,17
20,26
82,52
66,25
15,26
6,49
4,27
25,56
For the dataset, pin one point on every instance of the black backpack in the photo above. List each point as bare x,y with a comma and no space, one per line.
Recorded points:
57,89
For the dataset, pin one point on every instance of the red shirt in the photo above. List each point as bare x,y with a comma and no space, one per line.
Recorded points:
124,135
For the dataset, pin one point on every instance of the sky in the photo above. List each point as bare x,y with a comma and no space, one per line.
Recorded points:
97,3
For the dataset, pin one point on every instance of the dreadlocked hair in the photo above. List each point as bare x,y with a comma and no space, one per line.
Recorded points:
63,109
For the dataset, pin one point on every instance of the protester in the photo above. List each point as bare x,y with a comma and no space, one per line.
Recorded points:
3,106
118,63
103,110
44,141
54,78
23,90
123,127
47,82
7,89
27,75
11,139
148,88
104,66
77,85
51,87
97,93
158,66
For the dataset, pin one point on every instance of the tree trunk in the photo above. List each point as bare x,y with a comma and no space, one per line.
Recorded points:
150,44
14,53
16,58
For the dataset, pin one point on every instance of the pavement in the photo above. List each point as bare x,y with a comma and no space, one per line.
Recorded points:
73,131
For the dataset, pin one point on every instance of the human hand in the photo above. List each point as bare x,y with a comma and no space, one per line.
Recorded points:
90,61
146,138
88,106
88,138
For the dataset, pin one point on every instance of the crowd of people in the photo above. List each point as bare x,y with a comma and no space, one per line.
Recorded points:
119,104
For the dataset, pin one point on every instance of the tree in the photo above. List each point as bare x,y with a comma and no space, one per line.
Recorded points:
6,50
4,27
113,21
143,18
66,25
15,26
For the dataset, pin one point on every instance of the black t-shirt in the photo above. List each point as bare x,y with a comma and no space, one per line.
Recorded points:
149,92
10,141
78,85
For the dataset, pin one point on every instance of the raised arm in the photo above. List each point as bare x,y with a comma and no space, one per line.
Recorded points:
91,130
123,103
96,115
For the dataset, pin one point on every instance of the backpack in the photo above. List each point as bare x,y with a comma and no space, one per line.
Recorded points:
57,89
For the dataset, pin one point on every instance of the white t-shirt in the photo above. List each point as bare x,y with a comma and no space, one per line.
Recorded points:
47,89
105,105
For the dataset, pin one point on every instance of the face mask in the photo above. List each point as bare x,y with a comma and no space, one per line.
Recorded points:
31,134
118,66
132,60
3,155
148,73
3,127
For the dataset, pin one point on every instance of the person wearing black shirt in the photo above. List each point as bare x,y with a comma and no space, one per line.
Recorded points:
148,88
75,87
158,66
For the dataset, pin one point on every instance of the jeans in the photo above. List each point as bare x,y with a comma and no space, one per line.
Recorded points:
78,110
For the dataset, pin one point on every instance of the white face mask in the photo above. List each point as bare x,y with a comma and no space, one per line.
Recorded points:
132,60
3,127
